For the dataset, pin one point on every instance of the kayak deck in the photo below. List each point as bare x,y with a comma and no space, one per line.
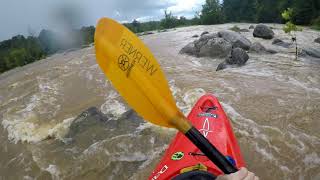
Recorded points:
182,156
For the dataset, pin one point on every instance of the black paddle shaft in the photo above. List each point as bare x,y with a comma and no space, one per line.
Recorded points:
210,151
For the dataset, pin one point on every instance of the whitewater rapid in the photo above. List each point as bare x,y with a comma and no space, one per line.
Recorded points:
272,101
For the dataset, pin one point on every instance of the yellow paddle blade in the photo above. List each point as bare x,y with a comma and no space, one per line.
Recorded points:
136,74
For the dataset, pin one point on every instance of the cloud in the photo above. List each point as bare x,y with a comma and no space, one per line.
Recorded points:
17,16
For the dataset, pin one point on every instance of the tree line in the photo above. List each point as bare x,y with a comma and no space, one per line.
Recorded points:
305,12
21,50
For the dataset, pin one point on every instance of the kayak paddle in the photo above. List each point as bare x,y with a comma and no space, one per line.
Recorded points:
137,76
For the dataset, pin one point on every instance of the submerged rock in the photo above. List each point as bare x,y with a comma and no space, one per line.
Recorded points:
317,40
312,52
237,58
236,39
244,30
204,32
92,124
251,27
195,36
263,31
257,47
281,43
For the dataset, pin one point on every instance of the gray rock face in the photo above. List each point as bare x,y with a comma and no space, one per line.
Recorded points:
236,39
251,27
206,37
208,45
312,52
237,58
281,43
257,47
317,40
216,47
263,31
190,49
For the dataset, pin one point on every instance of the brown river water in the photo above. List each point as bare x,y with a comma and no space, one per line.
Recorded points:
272,101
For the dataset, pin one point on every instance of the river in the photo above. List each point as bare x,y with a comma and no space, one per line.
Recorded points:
272,101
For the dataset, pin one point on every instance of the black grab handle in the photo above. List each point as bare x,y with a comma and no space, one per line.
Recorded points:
210,151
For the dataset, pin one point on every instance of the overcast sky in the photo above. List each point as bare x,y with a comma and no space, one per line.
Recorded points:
30,16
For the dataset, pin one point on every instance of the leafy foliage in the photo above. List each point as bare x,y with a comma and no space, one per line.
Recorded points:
212,13
19,51
290,27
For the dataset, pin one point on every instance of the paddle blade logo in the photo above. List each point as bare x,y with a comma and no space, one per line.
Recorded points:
205,128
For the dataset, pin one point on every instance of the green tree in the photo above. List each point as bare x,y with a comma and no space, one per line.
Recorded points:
212,13
240,10
290,28
169,20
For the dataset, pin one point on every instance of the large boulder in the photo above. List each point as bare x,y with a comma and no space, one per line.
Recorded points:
257,47
263,31
281,43
208,45
237,58
236,39
317,40
216,47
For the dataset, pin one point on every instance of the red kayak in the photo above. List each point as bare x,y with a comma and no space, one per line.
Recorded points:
183,160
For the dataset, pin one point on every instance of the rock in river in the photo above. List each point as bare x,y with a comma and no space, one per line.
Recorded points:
236,39
281,43
208,45
317,40
217,47
237,58
263,31
312,52
257,47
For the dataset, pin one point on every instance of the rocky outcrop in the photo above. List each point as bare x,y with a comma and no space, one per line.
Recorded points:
237,58
236,39
263,31
217,47
317,40
257,47
281,43
208,45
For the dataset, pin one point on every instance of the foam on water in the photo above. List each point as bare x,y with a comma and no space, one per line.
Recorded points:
268,147
185,99
112,105
54,171
31,130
